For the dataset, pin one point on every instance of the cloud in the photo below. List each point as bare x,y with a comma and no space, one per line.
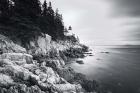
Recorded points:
126,7
102,19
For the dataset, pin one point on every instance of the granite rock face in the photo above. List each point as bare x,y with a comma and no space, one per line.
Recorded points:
22,88
40,68
19,58
5,81
8,46
40,45
17,77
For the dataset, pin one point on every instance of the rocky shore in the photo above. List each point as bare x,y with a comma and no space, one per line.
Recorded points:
40,67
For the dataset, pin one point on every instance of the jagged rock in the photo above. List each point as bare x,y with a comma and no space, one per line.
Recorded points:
4,62
54,63
17,72
31,67
40,45
80,62
30,71
74,52
8,46
22,88
28,76
3,90
61,61
76,78
45,86
6,81
67,88
18,58
46,74
44,42
63,56
66,73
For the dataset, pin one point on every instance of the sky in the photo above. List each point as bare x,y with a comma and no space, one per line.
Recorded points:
102,21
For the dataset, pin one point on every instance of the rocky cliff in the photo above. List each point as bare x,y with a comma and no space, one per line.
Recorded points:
40,67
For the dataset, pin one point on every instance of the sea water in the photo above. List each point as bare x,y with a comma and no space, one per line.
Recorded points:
116,68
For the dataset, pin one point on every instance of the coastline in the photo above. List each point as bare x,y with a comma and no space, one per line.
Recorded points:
33,70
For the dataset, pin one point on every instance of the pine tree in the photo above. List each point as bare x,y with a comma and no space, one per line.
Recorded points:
45,8
59,25
4,9
36,6
50,10
27,8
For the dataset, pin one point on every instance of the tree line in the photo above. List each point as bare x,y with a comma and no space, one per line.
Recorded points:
28,18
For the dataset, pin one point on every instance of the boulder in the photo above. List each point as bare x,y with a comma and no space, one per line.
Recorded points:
6,81
77,78
53,63
8,46
44,41
22,88
67,88
80,62
40,45
18,58
46,74
16,72
31,67
67,73
4,62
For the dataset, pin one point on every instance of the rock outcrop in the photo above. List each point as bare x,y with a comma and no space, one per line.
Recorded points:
5,81
40,78
22,88
40,45
40,68
19,58
8,46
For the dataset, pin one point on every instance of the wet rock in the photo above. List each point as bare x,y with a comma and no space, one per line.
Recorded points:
80,61
76,78
46,75
91,55
66,73
63,56
87,53
74,53
85,48
54,63
105,52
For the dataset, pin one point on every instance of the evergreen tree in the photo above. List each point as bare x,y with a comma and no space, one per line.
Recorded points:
4,9
28,18
50,10
45,8
27,8
59,25
36,6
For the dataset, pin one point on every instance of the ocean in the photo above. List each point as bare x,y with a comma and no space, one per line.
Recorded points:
116,68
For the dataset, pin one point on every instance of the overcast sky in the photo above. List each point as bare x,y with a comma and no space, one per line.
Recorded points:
102,21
